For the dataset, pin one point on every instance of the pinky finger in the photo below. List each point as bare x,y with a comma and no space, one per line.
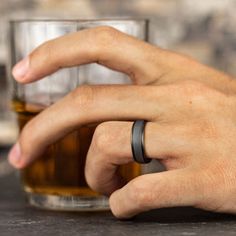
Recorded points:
152,191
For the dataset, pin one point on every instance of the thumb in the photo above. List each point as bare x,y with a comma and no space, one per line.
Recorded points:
165,189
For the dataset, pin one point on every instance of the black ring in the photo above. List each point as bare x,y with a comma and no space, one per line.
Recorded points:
137,142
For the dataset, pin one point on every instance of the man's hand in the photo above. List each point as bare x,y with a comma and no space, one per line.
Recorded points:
191,116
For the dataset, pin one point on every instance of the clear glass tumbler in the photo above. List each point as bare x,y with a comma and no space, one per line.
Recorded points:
56,180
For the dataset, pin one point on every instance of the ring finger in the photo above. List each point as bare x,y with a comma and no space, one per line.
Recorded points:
111,148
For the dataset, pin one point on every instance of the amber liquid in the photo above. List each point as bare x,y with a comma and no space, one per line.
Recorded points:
60,170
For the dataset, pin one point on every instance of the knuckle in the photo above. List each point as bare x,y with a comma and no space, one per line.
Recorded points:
105,36
195,93
193,88
103,138
140,192
199,90
189,62
83,96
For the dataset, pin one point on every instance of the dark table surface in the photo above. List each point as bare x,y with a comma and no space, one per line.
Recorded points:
18,218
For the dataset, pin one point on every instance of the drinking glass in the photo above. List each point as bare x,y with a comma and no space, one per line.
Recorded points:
56,180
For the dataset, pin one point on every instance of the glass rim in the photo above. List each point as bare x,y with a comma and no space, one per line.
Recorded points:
77,20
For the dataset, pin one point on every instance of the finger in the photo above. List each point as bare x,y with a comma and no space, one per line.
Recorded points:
111,148
87,104
165,189
104,45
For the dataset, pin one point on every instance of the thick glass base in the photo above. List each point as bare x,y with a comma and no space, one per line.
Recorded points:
68,203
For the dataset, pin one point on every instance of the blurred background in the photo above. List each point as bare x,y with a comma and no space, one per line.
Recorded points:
204,30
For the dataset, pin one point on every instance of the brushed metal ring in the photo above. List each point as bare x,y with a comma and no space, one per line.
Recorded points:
137,142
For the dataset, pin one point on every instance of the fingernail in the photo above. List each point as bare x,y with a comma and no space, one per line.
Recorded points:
21,68
14,156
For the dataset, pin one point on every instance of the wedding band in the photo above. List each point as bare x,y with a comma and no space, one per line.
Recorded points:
137,142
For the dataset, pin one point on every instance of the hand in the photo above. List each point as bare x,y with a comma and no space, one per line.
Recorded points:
191,127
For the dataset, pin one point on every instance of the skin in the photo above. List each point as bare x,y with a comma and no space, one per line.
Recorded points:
191,129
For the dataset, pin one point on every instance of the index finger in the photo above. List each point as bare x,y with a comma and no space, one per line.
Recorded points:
143,62
86,104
